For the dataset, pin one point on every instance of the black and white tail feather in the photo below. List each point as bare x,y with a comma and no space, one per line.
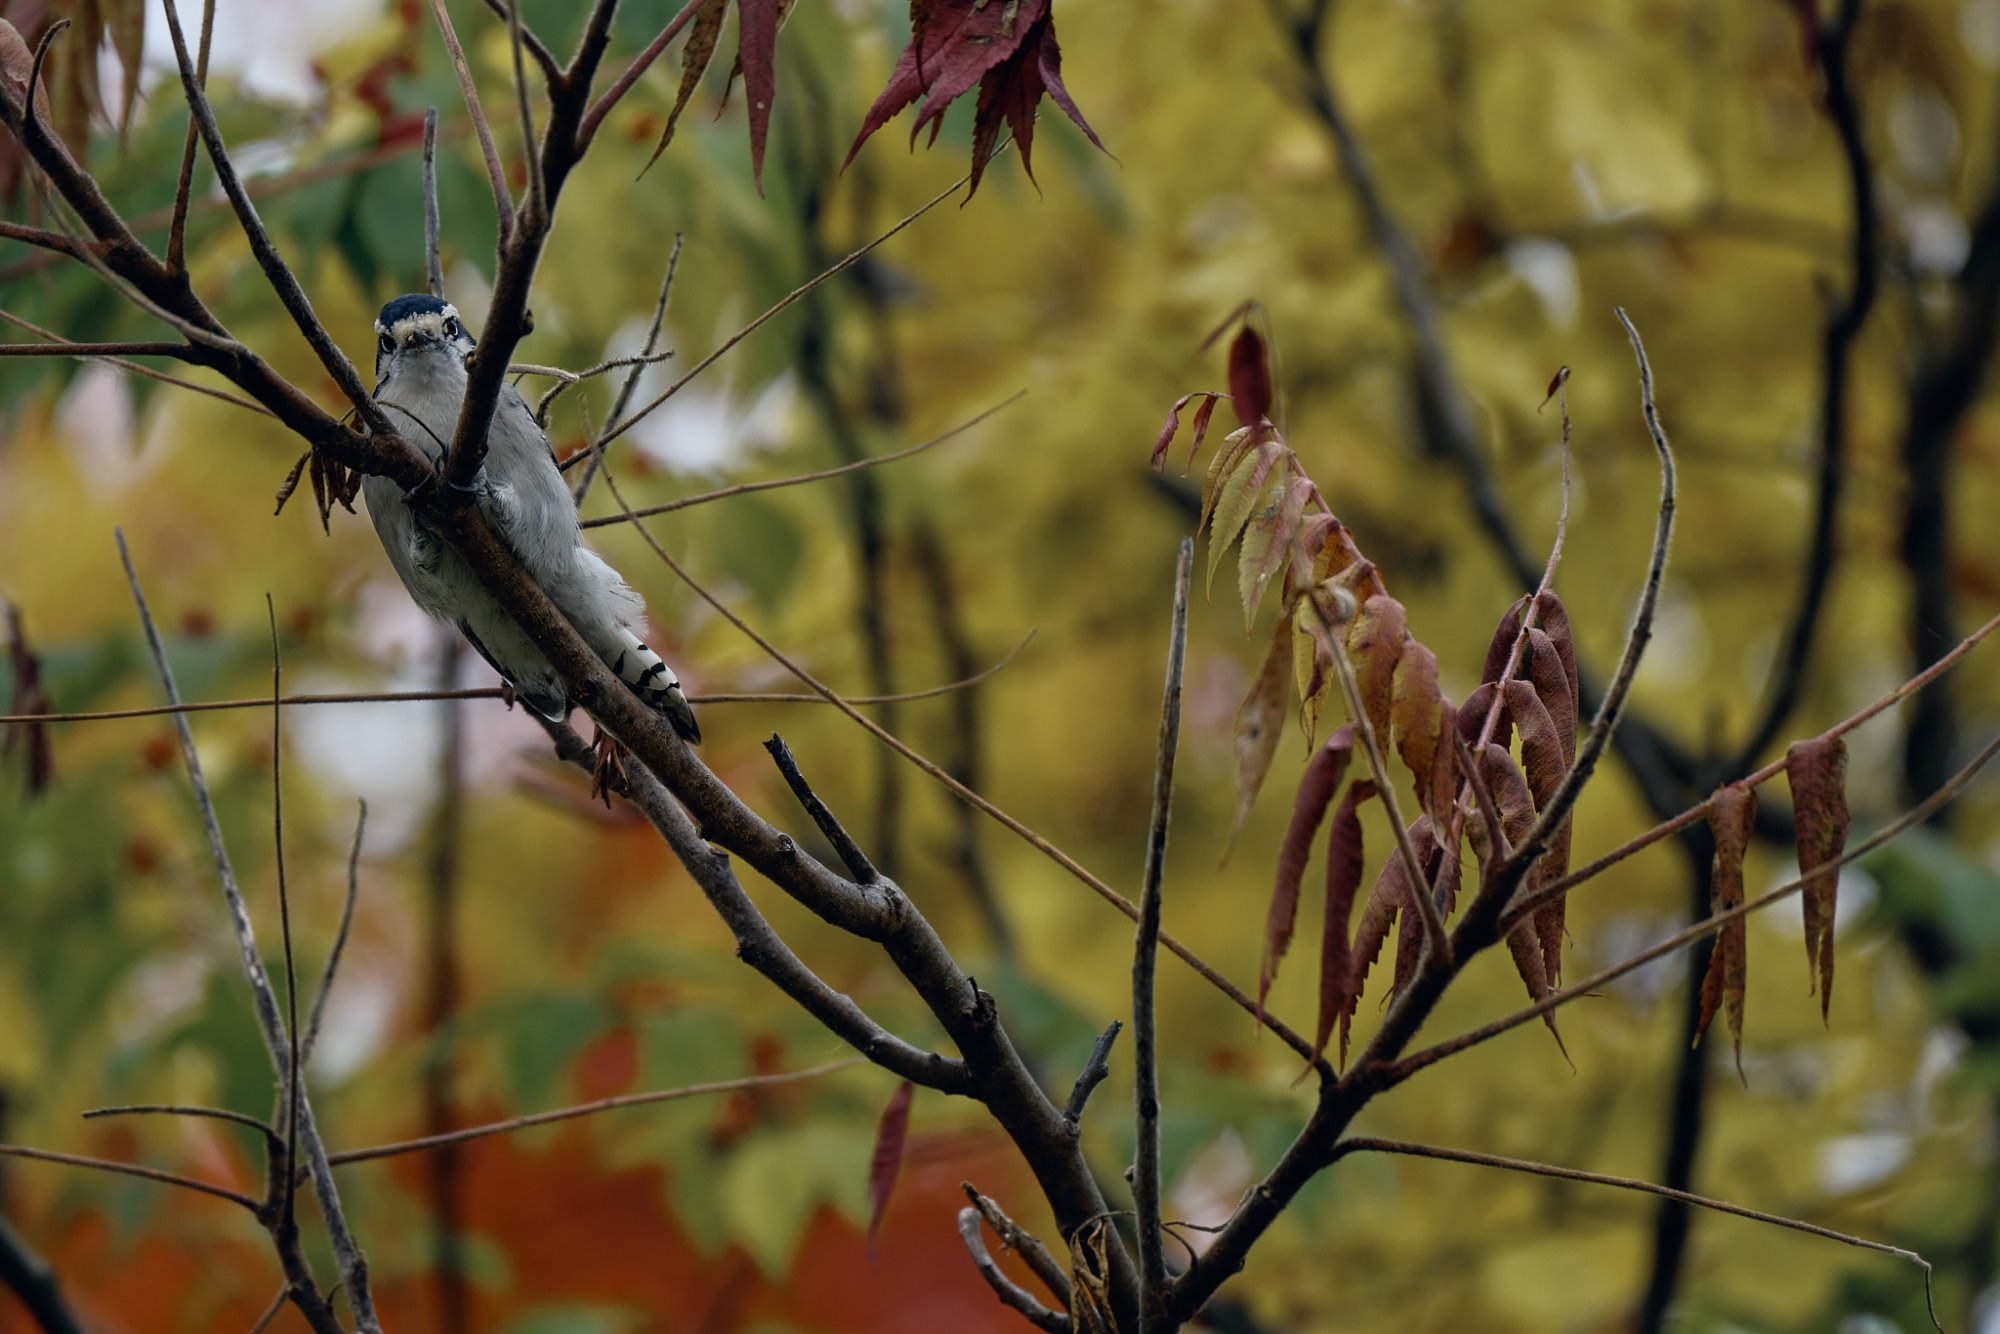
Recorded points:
421,347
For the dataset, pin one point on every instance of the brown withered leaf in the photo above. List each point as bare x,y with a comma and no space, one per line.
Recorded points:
1250,377
1545,671
757,24
1316,788
1416,717
1090,1278
1375,641
1732,815
1511,792
1312,665
1259,723
1545,765
1165,440
28,695
885,1164
1817,772
1410,931
1345,860
1389,896
1501,646
699,50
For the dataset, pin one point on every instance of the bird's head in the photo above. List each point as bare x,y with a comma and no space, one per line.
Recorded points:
415,327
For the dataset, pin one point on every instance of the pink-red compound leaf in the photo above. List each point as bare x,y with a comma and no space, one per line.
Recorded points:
1250,377
756,44
1416,716
1375,642
886,1163
1553,619
1259,723
1316,788
1732,815
1344,863
1817,772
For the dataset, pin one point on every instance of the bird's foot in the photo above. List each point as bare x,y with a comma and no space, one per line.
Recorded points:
609,769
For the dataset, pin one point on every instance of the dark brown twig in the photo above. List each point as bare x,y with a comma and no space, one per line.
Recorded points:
130,1170
631,385
496,175
184,187
433,254
1095,1071
850,852
339,940
1010,1293
1145,954
293,1072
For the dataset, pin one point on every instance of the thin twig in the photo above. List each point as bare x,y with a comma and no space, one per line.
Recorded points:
184,187
339,940
623,83
1612,707
1010,1293
258,1124
1022,1242
496,176
1095,1071
130,1170
292,1065
512,1124
82,350
271,1311
1145,955
850,852
631,385
613,431
433,253
1371,1145
530,147
745,488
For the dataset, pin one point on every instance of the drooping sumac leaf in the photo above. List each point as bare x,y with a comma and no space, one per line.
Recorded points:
1344,864
1553,687
886,1163
1375,641
1008,48
29,695
1165,440
1389,896
1250,377
1526,951
1259,723
1732,814
1553,619
1817,772
1220,468
757,24
1316,788
1545,764
1416,717
1241,496
1534,959
1501,646
1312,664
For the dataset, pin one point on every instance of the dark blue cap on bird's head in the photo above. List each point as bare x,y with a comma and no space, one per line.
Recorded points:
411,303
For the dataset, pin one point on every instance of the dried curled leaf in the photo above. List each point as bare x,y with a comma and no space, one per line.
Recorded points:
1417,717
1410,931
1345,860
885,1164
1165,440
1545,764
1510,790
1316,788
1553,619
1817,772
1389,896
1732,815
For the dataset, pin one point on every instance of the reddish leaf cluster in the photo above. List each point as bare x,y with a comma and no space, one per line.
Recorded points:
1007,47
1257,498
28,696
757,24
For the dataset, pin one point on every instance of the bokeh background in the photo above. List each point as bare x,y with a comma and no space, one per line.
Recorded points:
520,948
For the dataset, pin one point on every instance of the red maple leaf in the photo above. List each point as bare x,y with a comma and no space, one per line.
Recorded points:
1007,47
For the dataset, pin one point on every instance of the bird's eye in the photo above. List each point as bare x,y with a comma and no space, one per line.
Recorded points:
387,343
450,327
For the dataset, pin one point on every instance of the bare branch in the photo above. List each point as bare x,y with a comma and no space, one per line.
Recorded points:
184,188
1145,954
178,352
516,1123
745,488
538,202
496,175
433,247
1369,1145
262,1127
626,390
850,852
1022,1242
292,1064
33,1282
1010,1293
623,83
130,1170
339,940
1095,1071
